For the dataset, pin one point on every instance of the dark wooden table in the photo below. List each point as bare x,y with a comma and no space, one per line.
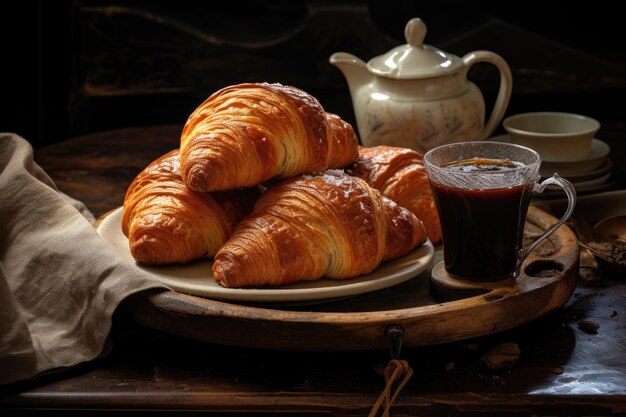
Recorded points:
562,369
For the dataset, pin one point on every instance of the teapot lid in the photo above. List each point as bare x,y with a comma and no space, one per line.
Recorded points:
414,59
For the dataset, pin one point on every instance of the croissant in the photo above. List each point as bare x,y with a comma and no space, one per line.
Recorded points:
398,174
165,222
326,224
246,134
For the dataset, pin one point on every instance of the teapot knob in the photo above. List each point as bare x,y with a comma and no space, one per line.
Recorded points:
414,32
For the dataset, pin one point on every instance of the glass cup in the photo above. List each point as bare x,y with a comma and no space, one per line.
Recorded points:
482,191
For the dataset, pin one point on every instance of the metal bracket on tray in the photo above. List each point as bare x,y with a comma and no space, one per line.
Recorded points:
395,333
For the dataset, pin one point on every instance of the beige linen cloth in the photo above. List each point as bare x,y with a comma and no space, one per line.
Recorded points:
59,281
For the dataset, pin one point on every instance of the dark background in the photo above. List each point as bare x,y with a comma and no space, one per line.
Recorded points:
71,67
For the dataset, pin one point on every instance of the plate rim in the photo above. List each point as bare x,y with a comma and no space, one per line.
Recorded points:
601,148
600,180
421,259
605,167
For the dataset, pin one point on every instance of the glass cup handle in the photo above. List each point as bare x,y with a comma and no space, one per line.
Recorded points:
571,204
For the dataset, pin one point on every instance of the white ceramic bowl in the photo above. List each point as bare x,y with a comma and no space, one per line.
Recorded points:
557,137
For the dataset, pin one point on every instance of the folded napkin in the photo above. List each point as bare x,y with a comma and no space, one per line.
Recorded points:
59,281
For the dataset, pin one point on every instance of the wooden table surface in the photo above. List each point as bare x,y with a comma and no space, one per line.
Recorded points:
562,369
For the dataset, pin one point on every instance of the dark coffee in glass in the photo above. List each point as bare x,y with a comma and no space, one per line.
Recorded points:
482,224
482,191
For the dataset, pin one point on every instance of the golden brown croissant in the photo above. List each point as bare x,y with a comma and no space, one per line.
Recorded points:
398,174
326,224
246,134
166,222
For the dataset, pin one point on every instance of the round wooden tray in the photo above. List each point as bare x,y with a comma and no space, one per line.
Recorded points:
547,280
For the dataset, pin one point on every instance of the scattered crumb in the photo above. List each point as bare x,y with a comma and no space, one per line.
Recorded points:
592,278
449,366
379,368
557,370
614,315
472,347
502,356
588,326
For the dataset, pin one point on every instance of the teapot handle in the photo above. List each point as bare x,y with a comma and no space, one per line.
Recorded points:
506,85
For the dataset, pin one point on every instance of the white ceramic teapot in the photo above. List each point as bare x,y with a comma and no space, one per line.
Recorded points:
417,96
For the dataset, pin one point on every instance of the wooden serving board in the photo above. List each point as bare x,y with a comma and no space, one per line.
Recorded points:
547,281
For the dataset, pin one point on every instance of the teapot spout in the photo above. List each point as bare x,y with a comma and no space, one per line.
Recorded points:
353,68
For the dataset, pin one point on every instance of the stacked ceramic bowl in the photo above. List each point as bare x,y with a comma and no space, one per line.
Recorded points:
567,146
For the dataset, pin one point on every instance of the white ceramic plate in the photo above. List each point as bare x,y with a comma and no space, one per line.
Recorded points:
196,278
594,207
599,151
556,192
591,183
604,169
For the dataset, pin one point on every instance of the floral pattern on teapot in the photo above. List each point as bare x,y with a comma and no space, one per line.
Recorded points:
421,127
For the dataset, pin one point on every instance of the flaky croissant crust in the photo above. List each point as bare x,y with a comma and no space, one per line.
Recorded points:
246,134
399,174
165,222
327,224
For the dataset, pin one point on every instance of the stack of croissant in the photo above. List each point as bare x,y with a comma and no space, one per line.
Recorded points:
276,190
